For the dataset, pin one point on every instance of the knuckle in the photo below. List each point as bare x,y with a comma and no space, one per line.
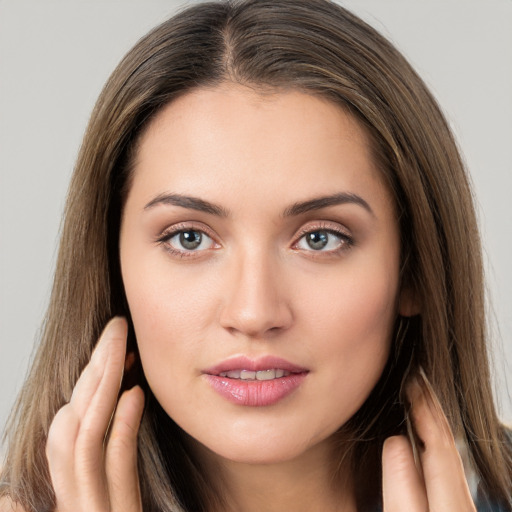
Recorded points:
87,439
119,447
123,429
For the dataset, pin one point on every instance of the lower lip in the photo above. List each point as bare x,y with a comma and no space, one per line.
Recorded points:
256,393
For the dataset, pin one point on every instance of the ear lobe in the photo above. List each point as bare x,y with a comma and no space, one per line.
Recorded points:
408,304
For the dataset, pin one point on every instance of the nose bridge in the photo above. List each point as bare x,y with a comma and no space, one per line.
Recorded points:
255,300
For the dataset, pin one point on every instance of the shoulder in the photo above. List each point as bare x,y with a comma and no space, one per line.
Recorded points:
7,505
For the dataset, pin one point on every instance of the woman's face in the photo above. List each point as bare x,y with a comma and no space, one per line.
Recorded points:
260,257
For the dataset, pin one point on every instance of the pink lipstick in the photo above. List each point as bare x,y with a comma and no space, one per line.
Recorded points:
255,383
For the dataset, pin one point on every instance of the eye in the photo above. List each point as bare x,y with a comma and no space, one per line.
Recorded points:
183,242
323,240
190,240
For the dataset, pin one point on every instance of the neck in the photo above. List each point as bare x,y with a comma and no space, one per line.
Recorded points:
302,484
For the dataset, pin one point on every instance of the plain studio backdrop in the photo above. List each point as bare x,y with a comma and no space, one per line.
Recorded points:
55,55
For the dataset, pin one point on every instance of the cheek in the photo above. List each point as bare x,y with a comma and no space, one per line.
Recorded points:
351,319
353,305
172,312
165,299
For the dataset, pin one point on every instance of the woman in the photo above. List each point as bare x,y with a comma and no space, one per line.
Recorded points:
272,199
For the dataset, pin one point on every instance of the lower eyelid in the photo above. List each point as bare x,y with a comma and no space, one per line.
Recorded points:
343,242
183,253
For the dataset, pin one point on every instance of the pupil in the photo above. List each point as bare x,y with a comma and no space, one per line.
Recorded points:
317,240
190,239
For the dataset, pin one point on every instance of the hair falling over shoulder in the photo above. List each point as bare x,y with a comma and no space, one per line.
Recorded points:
318,47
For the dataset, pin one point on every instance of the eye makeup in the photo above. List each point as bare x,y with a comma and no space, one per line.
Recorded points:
322,239
319,236
189,234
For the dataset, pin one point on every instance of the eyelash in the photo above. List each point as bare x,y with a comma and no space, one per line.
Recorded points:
346,241
168,234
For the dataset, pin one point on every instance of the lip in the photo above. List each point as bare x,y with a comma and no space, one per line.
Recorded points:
255,365
255,393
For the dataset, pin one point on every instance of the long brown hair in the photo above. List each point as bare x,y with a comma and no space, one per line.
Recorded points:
320,48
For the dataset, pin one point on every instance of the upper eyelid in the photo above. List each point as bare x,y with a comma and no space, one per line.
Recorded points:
185,226
332,227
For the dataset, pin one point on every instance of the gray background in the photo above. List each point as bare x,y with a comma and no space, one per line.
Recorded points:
56,55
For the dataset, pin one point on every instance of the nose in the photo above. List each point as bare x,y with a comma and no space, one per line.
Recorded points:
256,303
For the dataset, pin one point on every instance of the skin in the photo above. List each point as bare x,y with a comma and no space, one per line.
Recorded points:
257,289
254,287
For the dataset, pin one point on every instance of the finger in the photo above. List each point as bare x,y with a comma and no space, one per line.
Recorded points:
90,378
121,453
102,403
89,464
445,481
402,486
60,453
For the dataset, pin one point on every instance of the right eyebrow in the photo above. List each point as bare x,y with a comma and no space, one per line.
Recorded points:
190,202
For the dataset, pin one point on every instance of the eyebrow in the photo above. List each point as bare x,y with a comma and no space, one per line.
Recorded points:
326,201
190,202
195,203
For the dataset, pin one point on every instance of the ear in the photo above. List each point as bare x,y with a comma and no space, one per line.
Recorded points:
408,303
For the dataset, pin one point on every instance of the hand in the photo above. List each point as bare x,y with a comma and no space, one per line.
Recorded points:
89,473
439,485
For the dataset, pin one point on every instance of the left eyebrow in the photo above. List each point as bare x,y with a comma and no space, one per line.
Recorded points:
318,203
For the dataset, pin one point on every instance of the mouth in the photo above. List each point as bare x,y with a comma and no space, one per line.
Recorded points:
255,383
275,373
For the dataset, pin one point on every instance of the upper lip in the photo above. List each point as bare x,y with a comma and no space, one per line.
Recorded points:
255,365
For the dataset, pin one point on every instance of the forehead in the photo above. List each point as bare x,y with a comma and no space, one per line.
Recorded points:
251,112
234,139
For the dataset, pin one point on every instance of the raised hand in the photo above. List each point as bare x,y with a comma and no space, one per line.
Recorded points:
91,472
440,484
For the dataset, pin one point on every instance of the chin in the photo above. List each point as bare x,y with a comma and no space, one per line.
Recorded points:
263,445
255,453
